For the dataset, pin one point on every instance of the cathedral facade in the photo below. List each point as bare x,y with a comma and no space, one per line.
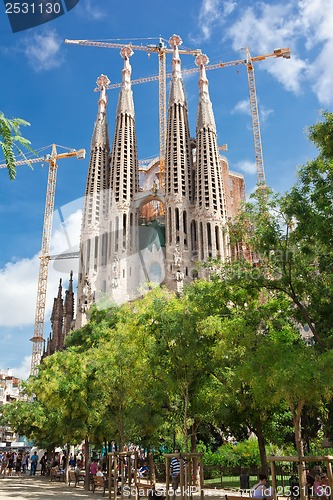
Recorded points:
142,225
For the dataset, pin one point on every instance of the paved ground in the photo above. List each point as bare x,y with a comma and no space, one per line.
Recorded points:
39,487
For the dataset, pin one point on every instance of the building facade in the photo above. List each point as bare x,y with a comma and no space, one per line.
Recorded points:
10,391
141,225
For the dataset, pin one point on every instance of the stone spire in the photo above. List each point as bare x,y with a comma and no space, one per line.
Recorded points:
68,308
95,205
124,157
100,135
179,162
177,93
57,321
98,172
125,101
205,116
178,178
210,197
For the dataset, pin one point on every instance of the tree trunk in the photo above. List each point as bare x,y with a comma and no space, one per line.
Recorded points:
151,467
121,429
67,463
196,471
87,464
262,448
297,419
185,418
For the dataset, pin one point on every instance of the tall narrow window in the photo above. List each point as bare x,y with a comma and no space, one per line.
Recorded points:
117,235
201,242
185,228
124,230
170,225
177,224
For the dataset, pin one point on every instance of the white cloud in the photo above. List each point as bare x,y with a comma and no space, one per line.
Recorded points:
23,371
264,113
212,14
42,50
305,26
18,280
246,166
90,10
242,107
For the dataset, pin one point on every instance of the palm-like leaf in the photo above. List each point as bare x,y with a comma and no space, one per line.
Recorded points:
11,140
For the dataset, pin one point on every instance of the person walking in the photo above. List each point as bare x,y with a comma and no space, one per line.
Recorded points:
175,472
43,463
25,462
18,466
34,462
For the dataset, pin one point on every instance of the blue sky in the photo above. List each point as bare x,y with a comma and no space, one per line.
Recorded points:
51,85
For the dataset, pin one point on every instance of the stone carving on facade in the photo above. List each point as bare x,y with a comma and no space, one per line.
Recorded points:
177,258
115,272
179,281
87,295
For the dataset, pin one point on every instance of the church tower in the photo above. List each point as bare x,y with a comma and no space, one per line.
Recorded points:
121,261
56,338
95,207
208,227
68,308
179,189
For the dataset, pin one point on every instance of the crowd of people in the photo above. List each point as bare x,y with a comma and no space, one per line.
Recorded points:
11,461
22,462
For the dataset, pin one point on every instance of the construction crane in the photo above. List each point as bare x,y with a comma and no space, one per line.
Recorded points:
248,62
38,339
161,50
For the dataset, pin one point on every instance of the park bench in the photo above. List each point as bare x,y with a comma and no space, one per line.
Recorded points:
55,473
75,478
99,482
143,489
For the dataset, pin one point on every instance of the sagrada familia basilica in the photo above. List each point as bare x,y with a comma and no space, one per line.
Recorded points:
143,225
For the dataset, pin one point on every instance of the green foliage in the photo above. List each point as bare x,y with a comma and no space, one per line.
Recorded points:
245,454
11,140
226,356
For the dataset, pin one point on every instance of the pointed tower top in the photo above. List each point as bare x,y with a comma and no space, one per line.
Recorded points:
177,94
102,83
100,135
205,117
201,60
125,103
60,289
70,286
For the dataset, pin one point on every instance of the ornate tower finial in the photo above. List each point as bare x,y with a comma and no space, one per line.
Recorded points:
60,289
205,117
201,60
102,83
126,52
174,42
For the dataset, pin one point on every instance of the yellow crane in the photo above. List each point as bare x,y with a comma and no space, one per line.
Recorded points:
248,62
38,337
161,50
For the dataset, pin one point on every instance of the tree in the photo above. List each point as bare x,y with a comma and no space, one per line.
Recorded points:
67,382
291,237
11,140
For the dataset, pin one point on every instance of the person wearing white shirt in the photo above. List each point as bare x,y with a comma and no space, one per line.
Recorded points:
261,489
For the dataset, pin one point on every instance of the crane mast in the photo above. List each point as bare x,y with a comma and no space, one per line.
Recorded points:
255,122
38,337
